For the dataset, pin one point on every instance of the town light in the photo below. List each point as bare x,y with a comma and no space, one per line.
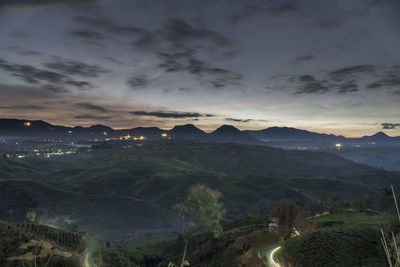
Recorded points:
27,124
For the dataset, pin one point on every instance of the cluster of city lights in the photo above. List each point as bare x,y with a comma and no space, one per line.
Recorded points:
42,153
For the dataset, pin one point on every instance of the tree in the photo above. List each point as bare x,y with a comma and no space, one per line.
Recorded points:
288,214
202,206
385,202
336,204
31,215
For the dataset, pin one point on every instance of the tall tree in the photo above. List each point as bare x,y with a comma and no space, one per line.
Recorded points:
203,206
288,215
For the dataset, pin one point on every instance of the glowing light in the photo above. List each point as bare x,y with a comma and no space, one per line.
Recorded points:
338,145
70,132
164,135
27,124
271,257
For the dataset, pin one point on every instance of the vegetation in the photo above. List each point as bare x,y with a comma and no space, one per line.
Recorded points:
128,197
151,179
38,245
336,236
202,206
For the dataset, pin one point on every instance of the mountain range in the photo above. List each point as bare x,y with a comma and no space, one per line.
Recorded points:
38,129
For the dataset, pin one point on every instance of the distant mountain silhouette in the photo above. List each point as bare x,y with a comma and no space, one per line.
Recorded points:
14,128
286,133
187,132
378,137
230,134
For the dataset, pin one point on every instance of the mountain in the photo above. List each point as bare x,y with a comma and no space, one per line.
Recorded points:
378,137
187,132
27,128
274,136
230,134
287,133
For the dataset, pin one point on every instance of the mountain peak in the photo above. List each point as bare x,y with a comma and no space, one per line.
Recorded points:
186,128
227,129
187,132
380,134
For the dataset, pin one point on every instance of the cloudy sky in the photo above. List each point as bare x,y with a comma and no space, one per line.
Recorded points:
329,66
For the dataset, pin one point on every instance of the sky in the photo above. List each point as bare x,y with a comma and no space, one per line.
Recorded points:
330,66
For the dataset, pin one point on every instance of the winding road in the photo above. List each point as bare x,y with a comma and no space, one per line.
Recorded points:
271,255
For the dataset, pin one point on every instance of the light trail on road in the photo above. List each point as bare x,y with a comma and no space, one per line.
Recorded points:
271,257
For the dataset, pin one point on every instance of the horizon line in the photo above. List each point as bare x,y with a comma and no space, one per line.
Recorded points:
119,129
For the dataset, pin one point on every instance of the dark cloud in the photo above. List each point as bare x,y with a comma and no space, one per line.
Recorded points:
23,52
72,67
302,59
138,82
347,87
91,106
55,88
244,120
82,85
31,74
22,107
87,34
186,42
186,62
113,60
386,82
310,85
182,35
38,3
390,126
142,38
250,10
92,117
178,43
34,75
238,120
389,80
350,72
341,81
170,114
307,84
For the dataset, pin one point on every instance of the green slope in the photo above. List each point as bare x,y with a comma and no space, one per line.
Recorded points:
117,192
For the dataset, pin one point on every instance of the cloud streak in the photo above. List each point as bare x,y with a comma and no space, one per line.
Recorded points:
390,126
49,79
90,106
170,114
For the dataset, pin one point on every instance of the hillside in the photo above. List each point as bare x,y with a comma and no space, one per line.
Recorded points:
55,247
131,189
350,233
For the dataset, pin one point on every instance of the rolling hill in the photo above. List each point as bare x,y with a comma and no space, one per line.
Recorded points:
117,193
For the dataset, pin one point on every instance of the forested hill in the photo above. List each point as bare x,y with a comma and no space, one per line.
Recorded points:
114,192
